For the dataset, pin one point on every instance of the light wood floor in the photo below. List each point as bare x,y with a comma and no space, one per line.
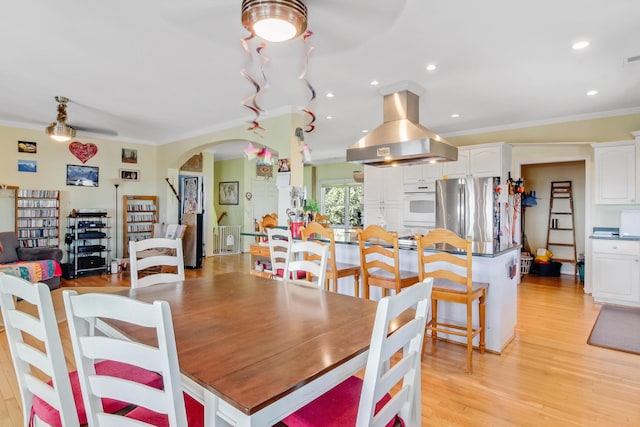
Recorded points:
548,375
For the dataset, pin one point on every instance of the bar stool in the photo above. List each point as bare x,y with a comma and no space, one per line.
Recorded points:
335,270
380,261
452,276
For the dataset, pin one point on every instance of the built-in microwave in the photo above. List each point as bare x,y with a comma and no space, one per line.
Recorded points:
419,210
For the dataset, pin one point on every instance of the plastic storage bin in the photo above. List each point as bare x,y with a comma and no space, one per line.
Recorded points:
525,264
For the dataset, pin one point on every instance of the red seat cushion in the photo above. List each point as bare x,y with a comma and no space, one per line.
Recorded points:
195,414
337,407
50,415
299,274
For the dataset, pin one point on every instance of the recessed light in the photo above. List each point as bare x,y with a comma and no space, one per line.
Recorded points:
365,130
580,45
329,117
431,67
455,116
374,83
330,95
592,93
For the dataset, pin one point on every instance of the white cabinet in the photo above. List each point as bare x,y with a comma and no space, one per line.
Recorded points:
458,168
482,160
422,175
616,271
383,196
615,170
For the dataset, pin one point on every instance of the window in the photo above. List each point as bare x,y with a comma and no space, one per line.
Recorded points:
342,204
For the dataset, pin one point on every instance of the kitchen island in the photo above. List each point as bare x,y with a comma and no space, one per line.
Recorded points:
501,270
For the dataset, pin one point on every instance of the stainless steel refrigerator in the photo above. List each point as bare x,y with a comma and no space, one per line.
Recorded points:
470,207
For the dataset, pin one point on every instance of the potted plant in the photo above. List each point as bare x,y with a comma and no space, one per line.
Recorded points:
311,208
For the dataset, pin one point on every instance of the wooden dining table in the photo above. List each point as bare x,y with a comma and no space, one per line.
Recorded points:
254,350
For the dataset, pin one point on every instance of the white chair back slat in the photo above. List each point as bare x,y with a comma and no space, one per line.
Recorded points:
45,329
135,393
315,269
27,323
165,252
381,374
34,357
279,246
121,351
170,401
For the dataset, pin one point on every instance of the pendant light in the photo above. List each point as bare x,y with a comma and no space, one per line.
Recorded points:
275,20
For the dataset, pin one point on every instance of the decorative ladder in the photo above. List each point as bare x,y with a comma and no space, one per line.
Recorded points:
561,222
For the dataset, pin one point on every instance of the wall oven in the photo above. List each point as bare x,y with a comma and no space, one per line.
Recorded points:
419,209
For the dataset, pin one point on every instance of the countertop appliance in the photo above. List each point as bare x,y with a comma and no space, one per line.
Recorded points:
630,223
470,207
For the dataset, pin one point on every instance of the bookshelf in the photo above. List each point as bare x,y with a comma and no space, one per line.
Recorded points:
139,215
38,218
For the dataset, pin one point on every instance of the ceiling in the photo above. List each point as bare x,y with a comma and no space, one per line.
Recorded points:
156,71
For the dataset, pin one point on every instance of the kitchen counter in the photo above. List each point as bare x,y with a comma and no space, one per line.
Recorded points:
350,237
501,270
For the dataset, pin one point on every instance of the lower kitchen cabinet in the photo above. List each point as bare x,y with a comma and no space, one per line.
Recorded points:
616,271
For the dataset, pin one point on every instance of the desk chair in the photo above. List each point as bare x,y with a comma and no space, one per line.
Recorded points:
49,393
279,243
309,258
393,362
380,261
335,269
169,253
155,407
453,282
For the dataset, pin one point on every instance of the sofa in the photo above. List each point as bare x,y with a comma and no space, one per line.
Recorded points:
32,264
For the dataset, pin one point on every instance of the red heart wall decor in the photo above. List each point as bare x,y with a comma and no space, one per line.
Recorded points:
83,151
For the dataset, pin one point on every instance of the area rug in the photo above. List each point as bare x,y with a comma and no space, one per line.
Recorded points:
617,328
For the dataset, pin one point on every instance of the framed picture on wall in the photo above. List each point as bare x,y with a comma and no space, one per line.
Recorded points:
82,176
264,170
129,155
191,194
129,175
228,193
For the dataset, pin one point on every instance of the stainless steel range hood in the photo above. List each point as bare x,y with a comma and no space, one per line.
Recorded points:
401,139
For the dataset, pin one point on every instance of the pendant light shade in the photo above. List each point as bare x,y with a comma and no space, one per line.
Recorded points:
275,20
60,132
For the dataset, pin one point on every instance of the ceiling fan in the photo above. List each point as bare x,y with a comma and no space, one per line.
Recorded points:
63,132
337,25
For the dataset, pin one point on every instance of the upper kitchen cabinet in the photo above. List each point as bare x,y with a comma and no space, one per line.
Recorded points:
383,197
615,170
482,160
382,184
422,175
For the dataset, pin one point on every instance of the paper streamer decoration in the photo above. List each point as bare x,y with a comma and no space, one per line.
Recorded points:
253,152
251,102
306,153
303,76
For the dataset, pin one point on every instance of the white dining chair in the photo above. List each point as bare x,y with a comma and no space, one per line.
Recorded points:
50,395
168,253
309,259
393,360
279,244
153,407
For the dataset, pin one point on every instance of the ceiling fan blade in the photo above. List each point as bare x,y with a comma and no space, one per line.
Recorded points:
96,130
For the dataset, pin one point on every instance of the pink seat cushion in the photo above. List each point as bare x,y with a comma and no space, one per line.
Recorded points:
299,274
115,369
195,414
337,407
